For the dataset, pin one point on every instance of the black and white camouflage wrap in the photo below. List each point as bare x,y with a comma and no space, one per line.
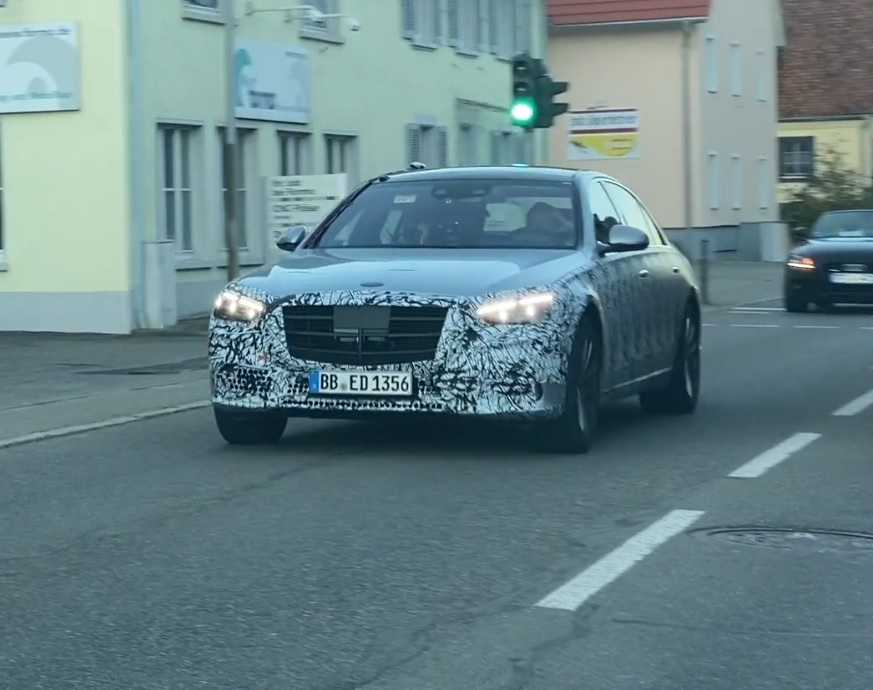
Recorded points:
479,369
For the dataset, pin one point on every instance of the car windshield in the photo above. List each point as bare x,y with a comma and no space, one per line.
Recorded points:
457,213
844,224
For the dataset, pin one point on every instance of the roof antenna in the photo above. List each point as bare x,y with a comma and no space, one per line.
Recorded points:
415,165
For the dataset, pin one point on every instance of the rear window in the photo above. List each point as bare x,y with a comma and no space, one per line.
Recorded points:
458,214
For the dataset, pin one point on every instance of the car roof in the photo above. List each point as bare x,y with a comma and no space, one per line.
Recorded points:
495,172
847,210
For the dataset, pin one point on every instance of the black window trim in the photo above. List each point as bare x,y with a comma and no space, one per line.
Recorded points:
794,177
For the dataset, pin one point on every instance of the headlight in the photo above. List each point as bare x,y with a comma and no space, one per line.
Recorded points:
527,309
235,307
801,262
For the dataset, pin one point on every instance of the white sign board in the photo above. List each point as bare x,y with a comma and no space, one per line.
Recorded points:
603,134
39,68
272,82
302,200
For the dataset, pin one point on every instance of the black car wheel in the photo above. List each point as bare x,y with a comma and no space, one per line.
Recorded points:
575,429
681,394
794,304
250,428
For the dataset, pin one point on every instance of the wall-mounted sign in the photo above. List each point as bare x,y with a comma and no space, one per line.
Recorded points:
39,68
603,134
272,82
302,200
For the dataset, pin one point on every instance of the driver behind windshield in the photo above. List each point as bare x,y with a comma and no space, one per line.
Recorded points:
546,220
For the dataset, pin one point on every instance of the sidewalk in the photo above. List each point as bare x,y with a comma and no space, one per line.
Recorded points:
53,381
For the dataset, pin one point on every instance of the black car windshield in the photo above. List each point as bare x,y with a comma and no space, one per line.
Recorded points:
457,213
844,224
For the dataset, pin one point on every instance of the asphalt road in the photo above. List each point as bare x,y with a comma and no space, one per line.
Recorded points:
152,557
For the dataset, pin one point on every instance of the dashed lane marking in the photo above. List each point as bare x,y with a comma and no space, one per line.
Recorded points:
767,460
856,406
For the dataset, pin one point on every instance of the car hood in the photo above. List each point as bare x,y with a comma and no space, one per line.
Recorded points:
446,272
838,249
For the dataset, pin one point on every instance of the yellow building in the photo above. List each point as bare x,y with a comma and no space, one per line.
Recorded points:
112,121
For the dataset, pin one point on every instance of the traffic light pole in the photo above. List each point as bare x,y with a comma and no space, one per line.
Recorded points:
230,144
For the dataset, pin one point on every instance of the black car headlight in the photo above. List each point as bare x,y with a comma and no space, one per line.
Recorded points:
233,306
529,308
803,263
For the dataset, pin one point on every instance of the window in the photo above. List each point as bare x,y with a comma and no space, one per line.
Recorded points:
796,157
509,24
736,69
712,174
295,153
203,10
466,20
763,72
508,147
341,156
325,29
631,211
459,213
422,22
427,144
245,167
765,178
176,153
603,211
2,188
736,182
710,57
468,145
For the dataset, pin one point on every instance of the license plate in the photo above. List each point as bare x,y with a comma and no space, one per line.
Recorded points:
852,278
371,383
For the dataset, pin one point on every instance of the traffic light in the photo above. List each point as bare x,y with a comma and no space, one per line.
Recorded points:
533,93
526,72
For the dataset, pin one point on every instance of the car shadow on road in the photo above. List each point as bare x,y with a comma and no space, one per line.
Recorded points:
431,438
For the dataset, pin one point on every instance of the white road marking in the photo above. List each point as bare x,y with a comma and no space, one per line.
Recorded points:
586,584
770,458
758,309
856,406
95,426
818,327
755,325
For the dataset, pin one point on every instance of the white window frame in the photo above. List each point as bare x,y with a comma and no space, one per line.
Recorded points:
190,10
422,22
712,174
347,147
763,72
765,180
295,152
328,30
710,59
736,69
185,142
247,185
467,26
736,182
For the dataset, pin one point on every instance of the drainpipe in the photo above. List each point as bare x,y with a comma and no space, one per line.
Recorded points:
135,162
686,124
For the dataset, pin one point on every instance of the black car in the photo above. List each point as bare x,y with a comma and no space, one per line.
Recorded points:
834,264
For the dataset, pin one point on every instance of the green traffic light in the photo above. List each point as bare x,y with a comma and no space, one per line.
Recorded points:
522,112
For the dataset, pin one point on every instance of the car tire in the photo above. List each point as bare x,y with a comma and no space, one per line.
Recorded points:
794,304
682,392
825,306
250,428
574,431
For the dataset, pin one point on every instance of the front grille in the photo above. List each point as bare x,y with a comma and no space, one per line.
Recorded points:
408,334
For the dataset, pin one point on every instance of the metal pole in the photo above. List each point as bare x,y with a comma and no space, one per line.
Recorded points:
686,131
230,143
704,271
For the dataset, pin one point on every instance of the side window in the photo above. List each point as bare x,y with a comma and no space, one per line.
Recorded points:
602,209
631,212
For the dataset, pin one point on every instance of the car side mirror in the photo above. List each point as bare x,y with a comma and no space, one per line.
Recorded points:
800,231
624,238
292,238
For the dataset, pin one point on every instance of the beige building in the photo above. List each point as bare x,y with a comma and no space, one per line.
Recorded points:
681,104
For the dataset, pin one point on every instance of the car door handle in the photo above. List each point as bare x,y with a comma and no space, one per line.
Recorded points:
644,273
675,269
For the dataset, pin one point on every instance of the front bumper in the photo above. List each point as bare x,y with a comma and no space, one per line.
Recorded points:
815,285
502,372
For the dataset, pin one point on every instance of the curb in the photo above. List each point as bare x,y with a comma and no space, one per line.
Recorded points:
724,307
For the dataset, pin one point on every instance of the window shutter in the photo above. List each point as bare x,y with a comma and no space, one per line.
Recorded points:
496,140
454,20
494,25
413,144
443,147
481,33
524,22
438,35
408,9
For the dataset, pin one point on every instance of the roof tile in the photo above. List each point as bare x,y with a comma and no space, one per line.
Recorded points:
591,12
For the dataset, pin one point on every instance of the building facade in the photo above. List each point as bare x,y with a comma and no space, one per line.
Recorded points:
826,90
113,205
692,88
